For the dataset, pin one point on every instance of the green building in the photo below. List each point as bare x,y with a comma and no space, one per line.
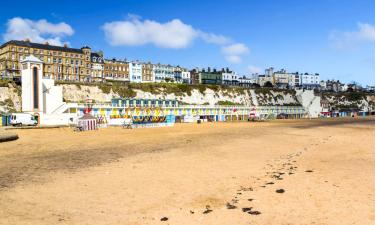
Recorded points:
211,77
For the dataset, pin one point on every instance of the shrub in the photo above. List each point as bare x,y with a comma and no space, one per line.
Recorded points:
5,83
355,96
227,103
201,88
106,89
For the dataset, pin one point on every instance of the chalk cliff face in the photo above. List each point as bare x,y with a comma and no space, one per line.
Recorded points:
74,93
10,96
350,100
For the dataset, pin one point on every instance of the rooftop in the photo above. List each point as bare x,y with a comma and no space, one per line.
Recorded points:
42,46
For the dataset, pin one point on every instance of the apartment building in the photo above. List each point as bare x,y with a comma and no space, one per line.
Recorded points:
211,77
163,73
229,77
135,72
186,78
116,70
60,62
194,76
244,81
310,81
147,72
97,67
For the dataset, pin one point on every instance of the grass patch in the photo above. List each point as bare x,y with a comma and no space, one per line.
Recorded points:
227,103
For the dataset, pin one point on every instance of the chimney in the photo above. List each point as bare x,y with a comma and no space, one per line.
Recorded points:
46,43
65,45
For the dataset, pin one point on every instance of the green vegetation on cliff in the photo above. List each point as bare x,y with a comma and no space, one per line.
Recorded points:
128,89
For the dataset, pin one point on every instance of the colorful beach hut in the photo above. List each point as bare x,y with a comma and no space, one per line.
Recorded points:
87,122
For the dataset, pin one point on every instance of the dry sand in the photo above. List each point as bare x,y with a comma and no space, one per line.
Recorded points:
214,173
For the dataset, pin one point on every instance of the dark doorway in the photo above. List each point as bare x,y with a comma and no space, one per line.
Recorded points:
35,88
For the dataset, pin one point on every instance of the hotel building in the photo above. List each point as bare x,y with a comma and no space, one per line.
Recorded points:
60,62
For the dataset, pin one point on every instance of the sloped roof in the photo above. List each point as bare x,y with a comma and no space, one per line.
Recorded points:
87,116
42,46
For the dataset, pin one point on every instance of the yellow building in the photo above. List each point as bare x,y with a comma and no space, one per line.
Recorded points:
60,62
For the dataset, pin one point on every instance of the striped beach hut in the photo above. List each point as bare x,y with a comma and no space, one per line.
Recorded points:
88,122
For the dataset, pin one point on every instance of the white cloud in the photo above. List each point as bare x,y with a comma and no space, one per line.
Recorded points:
234,52
214,38
253,69
134,32
235,59
173,34
365,33
235,49
37,31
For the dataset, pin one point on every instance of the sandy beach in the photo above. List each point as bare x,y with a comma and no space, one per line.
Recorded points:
280,172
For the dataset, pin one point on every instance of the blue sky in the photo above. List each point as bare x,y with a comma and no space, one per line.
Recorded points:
335,38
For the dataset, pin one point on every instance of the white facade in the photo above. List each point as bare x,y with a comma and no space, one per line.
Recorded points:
32,93
230,77
310,79
97,70
245,81
135,72
186,77
294,79
40,96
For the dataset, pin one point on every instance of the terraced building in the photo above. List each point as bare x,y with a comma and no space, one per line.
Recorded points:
60,62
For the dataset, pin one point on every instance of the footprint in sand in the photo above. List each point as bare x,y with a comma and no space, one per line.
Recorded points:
230,206
164,219
208,210
246,209
249,211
